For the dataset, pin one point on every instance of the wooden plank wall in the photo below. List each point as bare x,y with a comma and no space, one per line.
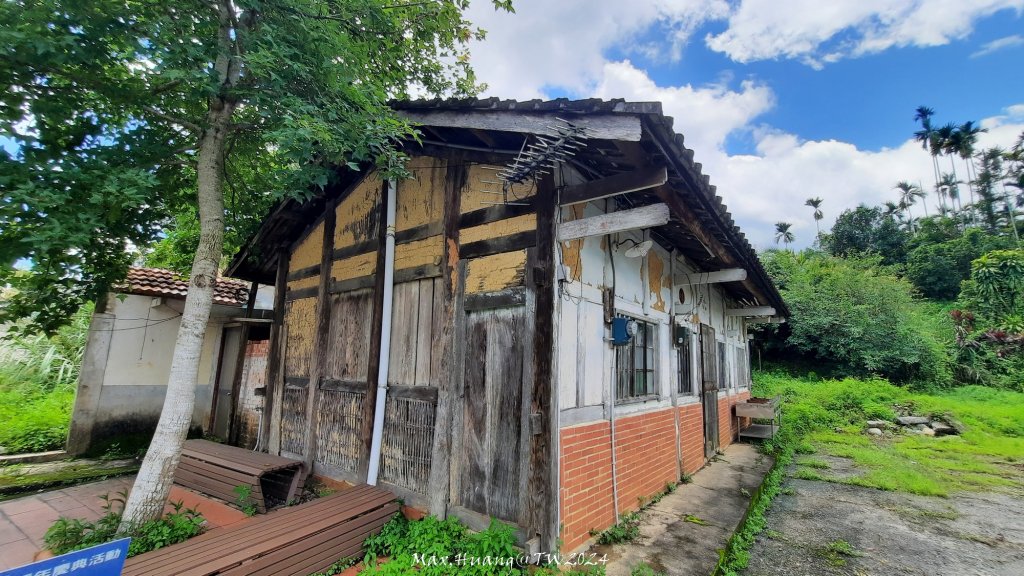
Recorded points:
491,396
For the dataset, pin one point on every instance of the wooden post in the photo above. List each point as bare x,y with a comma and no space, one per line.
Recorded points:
440,460
543,489
236,382
376,319
270,437
323,325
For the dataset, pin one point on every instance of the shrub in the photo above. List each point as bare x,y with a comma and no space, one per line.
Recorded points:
859,318
68,534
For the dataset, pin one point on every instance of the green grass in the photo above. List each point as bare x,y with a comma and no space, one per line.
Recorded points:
826,417
829,415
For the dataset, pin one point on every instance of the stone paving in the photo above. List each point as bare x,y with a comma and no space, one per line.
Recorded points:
24,521
681,534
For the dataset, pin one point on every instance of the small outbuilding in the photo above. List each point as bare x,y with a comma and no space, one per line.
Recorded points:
545,324
127,361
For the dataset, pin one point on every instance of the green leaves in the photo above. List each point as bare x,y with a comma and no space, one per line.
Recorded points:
106,100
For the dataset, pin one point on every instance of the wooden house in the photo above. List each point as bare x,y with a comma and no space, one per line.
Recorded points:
479,337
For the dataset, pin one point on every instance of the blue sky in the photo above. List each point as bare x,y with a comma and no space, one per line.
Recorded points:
780,99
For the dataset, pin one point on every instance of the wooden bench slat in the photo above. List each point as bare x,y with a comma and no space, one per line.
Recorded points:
236,557
259,460
253,530
226,547
187,461
338,539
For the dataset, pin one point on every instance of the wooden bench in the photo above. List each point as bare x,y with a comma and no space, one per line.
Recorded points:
294,541
217,470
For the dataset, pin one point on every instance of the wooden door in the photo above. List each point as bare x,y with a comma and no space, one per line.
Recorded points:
491,447
709,388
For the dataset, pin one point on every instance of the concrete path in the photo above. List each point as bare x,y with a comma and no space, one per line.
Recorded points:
682,534
24,521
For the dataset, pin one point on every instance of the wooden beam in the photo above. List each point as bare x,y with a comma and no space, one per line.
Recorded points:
639,179
751,311
376,331
600,127
270,436
717,277
318,362
542,484
633,219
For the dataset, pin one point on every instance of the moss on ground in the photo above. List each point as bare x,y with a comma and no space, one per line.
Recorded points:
22,479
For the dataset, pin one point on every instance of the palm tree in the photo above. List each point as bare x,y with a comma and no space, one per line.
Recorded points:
951,187
926,136
815,203
909,193
783,233
891,210
968,132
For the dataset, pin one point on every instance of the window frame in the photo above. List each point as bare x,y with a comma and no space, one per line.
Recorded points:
649,329
684,366
723,365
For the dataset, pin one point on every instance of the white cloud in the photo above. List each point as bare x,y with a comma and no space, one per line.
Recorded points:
819,32
999,44
772,185
563,43
704,115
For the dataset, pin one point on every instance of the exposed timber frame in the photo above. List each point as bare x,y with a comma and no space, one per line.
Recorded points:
636,180
716,277
620,221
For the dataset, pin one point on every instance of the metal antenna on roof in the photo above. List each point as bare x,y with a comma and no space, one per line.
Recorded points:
544,155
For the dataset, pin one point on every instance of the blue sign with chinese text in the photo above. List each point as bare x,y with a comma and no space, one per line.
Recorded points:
102,560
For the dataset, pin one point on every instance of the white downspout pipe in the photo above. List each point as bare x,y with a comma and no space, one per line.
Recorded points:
385,336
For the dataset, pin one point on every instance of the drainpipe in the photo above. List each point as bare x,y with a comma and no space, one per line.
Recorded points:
614,381
385,337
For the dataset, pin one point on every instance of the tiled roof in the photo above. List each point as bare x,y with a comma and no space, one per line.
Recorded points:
160,282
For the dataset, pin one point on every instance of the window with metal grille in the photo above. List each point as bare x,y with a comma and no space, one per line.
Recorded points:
684,352
723,371
634,365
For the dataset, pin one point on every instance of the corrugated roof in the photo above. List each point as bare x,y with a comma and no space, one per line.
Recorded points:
658,129
160,282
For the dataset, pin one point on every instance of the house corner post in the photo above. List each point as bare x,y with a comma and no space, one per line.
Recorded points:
543,481
451,286
90,383
270,435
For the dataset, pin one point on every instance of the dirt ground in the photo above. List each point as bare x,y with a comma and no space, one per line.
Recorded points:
810,524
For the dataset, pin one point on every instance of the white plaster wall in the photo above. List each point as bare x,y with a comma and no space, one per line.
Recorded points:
586,359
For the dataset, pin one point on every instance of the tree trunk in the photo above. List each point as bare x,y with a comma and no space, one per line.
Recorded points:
153,483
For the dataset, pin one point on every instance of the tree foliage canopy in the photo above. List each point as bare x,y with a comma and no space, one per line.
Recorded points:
855,316
105,100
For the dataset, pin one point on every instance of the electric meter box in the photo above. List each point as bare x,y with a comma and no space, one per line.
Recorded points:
623,330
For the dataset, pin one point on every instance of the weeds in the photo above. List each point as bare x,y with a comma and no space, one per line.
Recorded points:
245,500
69,534
626,530
644,569
837,551
696,520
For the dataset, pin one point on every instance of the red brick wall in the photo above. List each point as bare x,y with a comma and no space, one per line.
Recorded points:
691,436
726,420
586,482
646,462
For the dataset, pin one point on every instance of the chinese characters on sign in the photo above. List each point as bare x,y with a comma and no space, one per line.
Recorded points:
102,560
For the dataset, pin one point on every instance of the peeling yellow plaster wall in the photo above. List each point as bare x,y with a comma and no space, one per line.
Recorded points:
421,199
655,276
571,249
356,213
419,253
299,319
308,252
304,283
495,272
480,181
354,266
498,228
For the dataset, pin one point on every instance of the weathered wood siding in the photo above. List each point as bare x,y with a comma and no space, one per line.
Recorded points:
492,377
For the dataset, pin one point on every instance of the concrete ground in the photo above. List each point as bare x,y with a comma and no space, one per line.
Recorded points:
967,534
24,521
683,532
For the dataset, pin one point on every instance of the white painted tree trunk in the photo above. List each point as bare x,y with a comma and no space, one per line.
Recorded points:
153,483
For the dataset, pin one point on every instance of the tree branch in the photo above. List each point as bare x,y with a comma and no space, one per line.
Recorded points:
173,119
